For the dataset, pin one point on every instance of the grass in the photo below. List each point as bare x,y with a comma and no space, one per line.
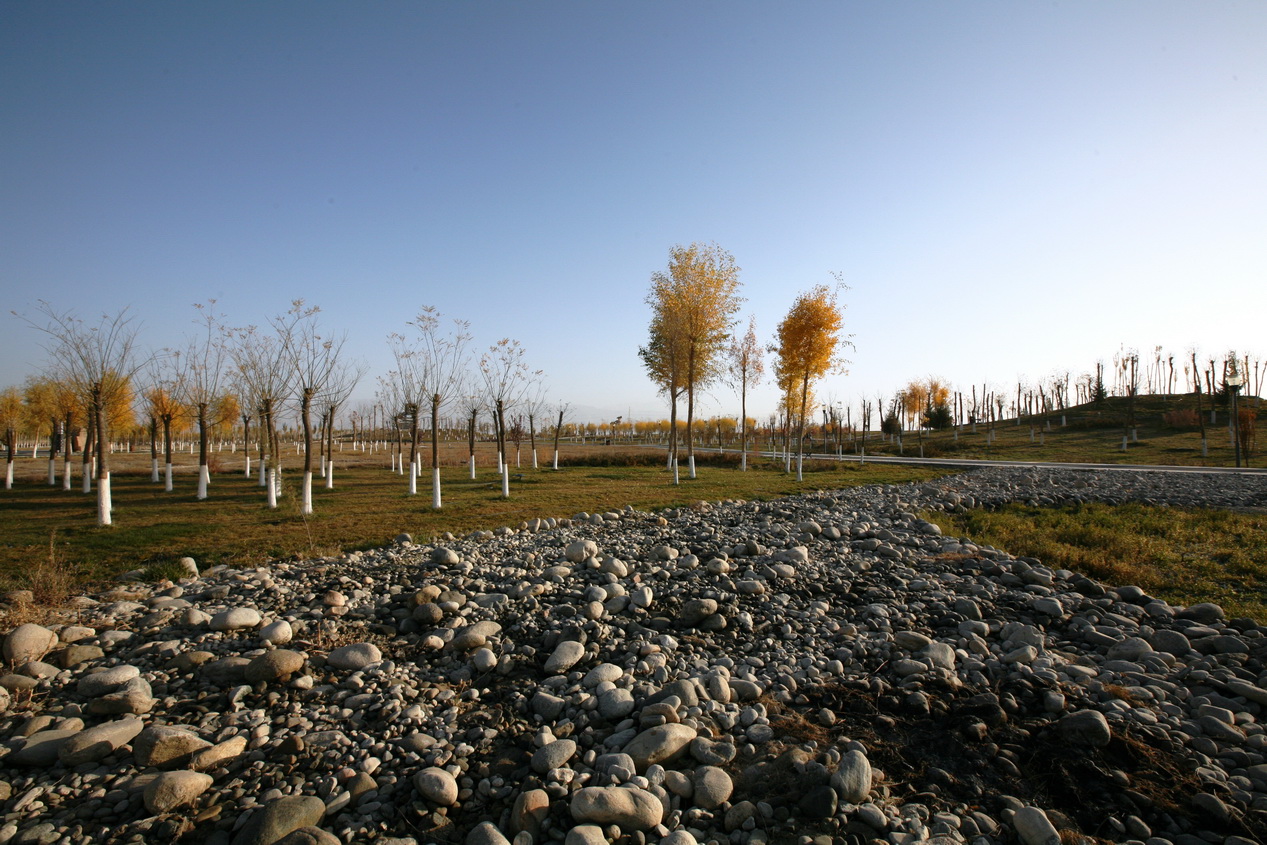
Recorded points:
51,531
1091,434
1184,556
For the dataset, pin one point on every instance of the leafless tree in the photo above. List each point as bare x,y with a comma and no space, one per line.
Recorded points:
506,379
263,376
201,376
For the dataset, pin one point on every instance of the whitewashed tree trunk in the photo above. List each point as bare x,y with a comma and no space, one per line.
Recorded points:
435,487
323,466
305,502
52,471
248,465
35,452
167,476
691,461
66,476
264,472
472,467
204,477
556,458
743,461
104,505
505,481
330,476
8,477
88,471
677,479
413,481
800,462
154,470
272,488
534,459
500,462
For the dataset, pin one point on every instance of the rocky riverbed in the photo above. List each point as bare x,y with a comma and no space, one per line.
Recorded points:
823,668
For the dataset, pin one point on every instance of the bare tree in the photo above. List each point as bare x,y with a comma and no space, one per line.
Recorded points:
744,368
263,376
201,375
99,362
314,360
506,379
339,387
558,428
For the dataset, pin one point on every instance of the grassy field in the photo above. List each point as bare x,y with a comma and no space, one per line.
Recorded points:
1184,556
1091,434
52,542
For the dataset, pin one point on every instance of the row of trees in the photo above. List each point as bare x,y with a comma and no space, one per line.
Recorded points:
98,377
694,307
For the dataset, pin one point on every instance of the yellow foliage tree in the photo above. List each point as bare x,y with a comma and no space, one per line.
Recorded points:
695,303
11,413
808,343
745,369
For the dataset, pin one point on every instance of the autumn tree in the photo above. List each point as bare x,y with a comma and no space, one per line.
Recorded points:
694,304
263,376
664,359
745,368
11,415
808,343
98,361
162,406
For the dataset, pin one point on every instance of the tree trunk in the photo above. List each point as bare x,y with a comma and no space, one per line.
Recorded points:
501,449
435,451
103,458
204,473
305,506
557,428
470,440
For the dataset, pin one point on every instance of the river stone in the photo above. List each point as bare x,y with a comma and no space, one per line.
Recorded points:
530,810
630,809
165,746
853,777
41,749
74,655
581,550
566,655
235,618
1034,828
280,817
94,743
437,785
276,665
28,642
355,656
553,755
1086,727
135,696
215,756
277,633
174,789
660,744
310,836
586,834
712,787
486,833
106,680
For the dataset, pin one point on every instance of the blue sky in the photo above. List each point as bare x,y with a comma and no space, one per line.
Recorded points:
1009,189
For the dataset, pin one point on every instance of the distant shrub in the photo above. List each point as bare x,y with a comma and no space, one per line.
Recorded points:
1181,418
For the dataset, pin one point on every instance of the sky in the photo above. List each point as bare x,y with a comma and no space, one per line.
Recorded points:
1009,190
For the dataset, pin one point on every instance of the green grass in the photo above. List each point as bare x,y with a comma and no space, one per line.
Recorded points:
1184,556
50,529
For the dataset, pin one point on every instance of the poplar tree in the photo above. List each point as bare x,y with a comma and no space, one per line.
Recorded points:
745,367
693,307
808,343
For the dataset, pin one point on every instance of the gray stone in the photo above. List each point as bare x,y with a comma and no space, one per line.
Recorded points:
437,785
486,833
660,744
94,743
311,836
566,655
280,817
28,642
166,746
174,789
355,656
712,787
235,619
1034,828
630,809
853,777
553,755
1086,727
276,665
42,749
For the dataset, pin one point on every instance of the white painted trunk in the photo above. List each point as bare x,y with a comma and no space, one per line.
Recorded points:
264,472
500,463
52,472
323,466
505,481
154,470
272,488
556,458
8,476
103,502
1123,442
799,467
677,479
66,473
743,462
330,476
534,459
413,484
305,503
88,479
691,461
248,466
472,467
167,476
435,487
204,478
35,452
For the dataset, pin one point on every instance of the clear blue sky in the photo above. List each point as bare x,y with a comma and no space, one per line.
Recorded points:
1010,189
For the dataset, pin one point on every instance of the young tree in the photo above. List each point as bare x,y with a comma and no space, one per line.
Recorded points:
99,362
314,360
696,301
337,390
745,367
808,340
201,372
558,428
11,413
664,359
506,379
263,377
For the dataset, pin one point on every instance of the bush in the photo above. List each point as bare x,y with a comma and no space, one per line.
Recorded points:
1181,418
938,418
891,425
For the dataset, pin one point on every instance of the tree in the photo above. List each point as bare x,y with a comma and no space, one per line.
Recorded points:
695,303
506,379
201,374
162,406
98,361
558,427
263,377
313,359
11,413
664,359
745,367
808,340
